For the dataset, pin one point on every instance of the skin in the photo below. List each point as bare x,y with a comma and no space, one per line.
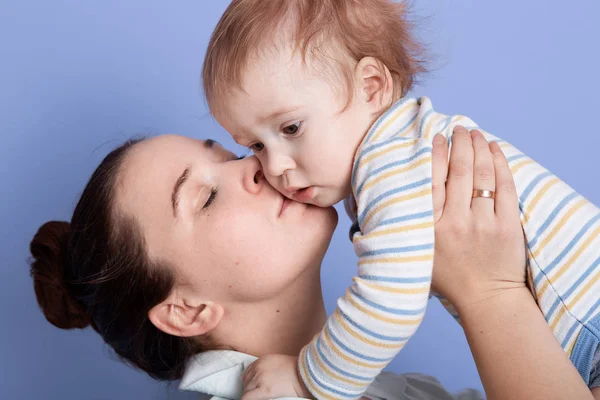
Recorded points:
254,283
480,270
479,267
297,124
507,334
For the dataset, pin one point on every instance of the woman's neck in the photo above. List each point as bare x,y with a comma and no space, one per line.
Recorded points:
282,325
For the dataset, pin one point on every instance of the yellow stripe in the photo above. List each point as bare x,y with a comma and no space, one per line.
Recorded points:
395,260
570,348
562,270
558,227
427,130
347,328
388,203
538,197
584,290
312,387
350,360
334,375
558,316
401,229
381,317
515,168
395,290
397,114
385,151
425,160
581,293
580,249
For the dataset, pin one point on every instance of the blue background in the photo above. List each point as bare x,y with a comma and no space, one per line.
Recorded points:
77,77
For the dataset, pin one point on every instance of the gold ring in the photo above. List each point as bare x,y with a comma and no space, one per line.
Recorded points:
488,194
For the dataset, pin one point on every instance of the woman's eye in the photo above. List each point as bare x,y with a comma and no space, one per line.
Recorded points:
257,147
211,198
291,129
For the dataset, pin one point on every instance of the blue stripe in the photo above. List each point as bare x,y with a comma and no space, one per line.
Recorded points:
448,121
371,333
373,129
380,144
566,250
395,311
423,121
356,353
425,150
404,249
551,218
406,218
532,185
399,104
350,395
337,369
390,193
372,147
516,157
418,279
563,298
575,325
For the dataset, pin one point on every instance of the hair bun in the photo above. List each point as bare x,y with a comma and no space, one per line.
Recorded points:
47,270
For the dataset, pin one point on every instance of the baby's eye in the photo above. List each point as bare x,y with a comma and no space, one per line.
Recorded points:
256,147
291,129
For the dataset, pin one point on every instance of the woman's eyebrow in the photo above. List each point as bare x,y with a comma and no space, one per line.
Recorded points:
177,188
209,143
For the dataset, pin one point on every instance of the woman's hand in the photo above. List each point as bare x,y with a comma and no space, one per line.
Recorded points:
479,266
479,243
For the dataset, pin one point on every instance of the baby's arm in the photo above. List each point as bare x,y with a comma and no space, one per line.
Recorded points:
385,305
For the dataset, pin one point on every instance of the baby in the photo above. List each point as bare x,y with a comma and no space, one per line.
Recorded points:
316,88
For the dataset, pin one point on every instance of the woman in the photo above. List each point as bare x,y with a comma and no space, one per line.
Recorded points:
177,247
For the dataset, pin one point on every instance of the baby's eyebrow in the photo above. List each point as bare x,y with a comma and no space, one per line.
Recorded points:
279,113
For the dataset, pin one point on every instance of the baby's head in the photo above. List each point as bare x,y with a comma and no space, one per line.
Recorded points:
300,82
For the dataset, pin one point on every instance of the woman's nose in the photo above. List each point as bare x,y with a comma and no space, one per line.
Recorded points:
254,179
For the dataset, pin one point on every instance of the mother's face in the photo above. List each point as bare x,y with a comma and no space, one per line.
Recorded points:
215,219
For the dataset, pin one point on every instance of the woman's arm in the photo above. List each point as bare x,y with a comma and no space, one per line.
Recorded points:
517,355
479,267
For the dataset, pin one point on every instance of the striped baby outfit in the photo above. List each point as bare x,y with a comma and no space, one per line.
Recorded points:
394,241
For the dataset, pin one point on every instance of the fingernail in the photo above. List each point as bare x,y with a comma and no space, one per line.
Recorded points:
439,139
458,129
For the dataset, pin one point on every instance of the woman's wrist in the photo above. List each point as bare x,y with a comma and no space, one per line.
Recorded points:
477,298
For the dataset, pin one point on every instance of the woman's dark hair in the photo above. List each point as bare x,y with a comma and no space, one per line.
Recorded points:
96,271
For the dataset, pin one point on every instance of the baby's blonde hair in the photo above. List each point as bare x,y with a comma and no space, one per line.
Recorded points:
317,28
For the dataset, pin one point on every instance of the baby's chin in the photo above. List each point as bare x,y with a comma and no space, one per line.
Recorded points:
326,199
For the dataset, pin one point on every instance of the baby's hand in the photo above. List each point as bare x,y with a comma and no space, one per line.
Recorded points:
272,377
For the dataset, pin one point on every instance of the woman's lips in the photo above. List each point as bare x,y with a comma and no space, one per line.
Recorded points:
284,204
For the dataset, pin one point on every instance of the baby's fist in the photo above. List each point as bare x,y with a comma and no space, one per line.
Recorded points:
272,377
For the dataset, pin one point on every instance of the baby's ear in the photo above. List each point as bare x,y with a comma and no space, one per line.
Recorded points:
375,83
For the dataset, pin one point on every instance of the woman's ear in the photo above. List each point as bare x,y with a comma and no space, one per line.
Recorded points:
178,317
375,83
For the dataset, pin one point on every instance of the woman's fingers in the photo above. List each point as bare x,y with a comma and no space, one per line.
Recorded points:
507,202
483,174
460,173
439,161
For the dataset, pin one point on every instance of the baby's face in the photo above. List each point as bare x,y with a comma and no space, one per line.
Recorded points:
292,119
